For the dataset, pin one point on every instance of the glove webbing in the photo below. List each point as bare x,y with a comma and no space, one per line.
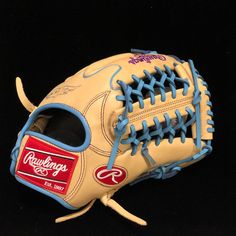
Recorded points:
123,119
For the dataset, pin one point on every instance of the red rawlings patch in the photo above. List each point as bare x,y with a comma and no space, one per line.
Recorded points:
46,166
110,177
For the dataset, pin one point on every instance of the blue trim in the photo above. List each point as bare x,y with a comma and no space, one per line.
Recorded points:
168,171
55,142
211,130
86,76
135,50
32,118
49,194
196,103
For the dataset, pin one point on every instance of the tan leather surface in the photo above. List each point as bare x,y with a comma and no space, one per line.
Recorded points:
92,91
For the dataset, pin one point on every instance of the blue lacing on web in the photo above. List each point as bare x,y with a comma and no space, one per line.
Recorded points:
209,112
165,172
167,77
135,50
196,103
157,132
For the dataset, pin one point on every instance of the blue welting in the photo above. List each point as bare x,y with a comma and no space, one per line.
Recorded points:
209,103
208,147
114,75
12,167
207,92
32,118
177,168
210,122
57,143
86,75
170,174
14,155
15,151
211,130
196,103
134,50
43,191
177,58
204,83
210,113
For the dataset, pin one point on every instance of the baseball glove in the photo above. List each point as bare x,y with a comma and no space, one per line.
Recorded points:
118,121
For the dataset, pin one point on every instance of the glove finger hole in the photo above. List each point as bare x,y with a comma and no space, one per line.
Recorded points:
60,125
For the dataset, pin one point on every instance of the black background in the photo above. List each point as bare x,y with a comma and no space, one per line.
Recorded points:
46,42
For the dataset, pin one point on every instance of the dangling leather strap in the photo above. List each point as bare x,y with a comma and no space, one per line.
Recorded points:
119,209
21,94
77,214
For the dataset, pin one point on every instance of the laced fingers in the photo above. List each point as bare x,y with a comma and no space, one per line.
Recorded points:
128,92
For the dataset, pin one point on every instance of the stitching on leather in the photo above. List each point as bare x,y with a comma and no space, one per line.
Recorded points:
136,118
158,107
99,151
102,119
98,96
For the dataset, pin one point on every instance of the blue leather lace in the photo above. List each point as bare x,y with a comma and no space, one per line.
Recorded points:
159,80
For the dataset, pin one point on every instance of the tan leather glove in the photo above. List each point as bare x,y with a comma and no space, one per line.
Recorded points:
120,120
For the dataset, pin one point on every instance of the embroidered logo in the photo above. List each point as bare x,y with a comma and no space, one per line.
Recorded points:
110,177
59,91
145,58
41,166
46,166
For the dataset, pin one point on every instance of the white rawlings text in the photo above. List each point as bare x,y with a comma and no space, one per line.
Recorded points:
42,166
114,173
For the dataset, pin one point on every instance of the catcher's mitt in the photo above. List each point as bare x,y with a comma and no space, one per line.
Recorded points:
120,120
